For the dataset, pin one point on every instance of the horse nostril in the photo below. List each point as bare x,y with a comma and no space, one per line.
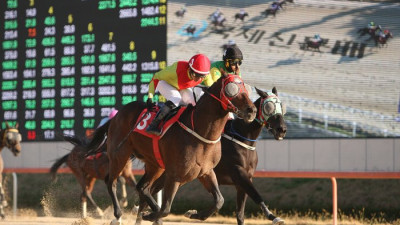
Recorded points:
251,110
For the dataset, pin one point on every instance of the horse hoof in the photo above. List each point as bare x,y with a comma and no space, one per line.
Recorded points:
278,221
158,222
135,209
190,213
116,222
149,217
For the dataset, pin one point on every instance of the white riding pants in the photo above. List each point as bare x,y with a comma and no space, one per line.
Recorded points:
182,97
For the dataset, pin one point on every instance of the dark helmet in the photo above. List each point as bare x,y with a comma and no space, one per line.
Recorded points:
232,52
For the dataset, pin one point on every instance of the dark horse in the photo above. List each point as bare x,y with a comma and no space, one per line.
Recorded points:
314,45
181,12
11,139
89,168
190,29
382,41
366,30
189,149
241,16
239,158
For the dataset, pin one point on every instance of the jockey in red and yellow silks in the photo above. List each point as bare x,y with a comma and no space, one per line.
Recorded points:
174,83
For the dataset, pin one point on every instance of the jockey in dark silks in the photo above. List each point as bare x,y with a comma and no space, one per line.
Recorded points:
231,61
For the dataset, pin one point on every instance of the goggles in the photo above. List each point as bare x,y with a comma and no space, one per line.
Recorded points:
198,75
235,62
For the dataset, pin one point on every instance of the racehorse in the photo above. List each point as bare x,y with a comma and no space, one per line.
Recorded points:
190,29
181,12
382,41
366,30
89,168
188,149
241,16
274,10
313,45
239,158
11,139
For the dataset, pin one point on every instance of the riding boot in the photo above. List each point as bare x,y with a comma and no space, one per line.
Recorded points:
153,128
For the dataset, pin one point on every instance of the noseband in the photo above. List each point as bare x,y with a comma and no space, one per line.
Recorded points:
226,100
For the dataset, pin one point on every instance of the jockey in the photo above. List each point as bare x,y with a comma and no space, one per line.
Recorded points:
232,59
317,39
175,83
242,12
215,15
371,25
379,32
275,6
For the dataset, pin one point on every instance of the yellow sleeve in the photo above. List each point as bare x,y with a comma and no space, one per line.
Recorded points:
168,74
215,73
208,81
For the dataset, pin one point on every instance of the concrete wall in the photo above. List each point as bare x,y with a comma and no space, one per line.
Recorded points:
334,155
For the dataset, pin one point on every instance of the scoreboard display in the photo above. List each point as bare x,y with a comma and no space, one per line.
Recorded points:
65,64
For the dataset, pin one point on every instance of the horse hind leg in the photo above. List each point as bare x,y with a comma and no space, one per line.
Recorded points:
2,200
210,182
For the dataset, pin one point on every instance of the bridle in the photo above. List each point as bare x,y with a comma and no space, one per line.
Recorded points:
227,83
262,116
8,133
224,100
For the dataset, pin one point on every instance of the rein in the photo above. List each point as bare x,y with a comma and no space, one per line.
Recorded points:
197,135
233,132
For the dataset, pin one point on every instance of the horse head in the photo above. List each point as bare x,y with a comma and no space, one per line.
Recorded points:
12,139
233,96
270,112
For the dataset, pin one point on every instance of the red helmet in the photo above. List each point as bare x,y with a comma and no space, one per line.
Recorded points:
200,64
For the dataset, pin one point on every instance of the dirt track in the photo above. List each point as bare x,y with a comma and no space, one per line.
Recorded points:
74,221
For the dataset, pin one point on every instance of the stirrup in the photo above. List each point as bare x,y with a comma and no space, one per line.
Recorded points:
153,130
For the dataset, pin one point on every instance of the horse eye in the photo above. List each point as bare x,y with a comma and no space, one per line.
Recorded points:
269,108
231,90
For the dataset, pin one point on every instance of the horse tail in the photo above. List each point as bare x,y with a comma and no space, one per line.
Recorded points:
98,137
56,165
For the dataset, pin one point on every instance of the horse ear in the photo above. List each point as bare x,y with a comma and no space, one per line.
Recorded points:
261,93
275,91
16,125
7,125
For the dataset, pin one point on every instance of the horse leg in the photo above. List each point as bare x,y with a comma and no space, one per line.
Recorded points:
241,198
210,182
115,168
246,184
144,188
170,189
2,199
87,194
124,200
155,188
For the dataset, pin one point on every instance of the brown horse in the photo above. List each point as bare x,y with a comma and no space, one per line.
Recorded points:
239,158
89,168
382,41
10,138
189,149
